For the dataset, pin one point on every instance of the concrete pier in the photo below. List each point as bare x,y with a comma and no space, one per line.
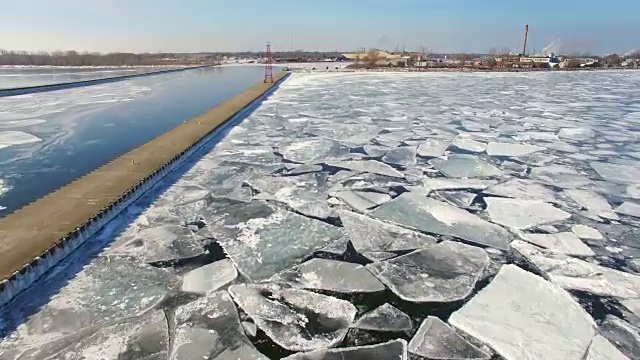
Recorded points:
41,234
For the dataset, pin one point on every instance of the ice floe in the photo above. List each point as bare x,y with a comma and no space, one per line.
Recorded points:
511,150
436,340
523,189
444,272
436,217
433,148
297,320
385,318
627,208
12,138
465,166
468,145
403,156
575,274
209,277
523,214
395,349
586,232
565,243
593,202
522,316
362,200
331,275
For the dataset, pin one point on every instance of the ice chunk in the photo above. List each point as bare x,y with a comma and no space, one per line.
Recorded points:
156,244
108,290
304,169
313,150
367,234
523,214
384,318
575,274
565,243
375,150
458,198
511,150
629,208
560,176
362,200
601,349
436,340
369,166
145,337
262,240
11,138
522,316
4,187
523,189
210,277
396,350
440,218
593,202
621,174
209,328
376,256
403,156
430,184
444,272
585,232
465,166
625,336
331,275
305,193
468,145
297,320
583,133
250,328
633,191
433,148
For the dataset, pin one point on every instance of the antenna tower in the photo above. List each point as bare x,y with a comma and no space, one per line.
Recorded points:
268,65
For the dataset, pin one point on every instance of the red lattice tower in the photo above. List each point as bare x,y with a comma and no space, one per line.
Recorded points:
268,65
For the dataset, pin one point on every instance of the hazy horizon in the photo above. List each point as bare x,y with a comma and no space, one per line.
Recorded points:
246,25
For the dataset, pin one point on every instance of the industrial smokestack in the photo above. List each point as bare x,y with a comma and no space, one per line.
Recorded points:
526,34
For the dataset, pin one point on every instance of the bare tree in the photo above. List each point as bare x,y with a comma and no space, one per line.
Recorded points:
372,58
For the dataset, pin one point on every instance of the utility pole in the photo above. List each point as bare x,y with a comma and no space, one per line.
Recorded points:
268,65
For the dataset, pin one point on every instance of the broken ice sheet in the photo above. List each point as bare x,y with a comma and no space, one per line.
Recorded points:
362,200
392,350
304,193
468,145
522,316
403,156
523,214
436,340
209,277
296,320
625,336
560,176
156,244
575,274
433,148
367,234
585,232
331,275
209,328
565,243
368,166
523,189
629,208
511,150
465,166
444,272
461,199
429,215
622,174
308,151
593,202
602,349
433,184
384,318
106,291
144,337
263,240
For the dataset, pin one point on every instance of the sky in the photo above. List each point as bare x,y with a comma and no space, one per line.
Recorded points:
568,26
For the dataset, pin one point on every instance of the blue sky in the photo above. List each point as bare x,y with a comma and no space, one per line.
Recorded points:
346,25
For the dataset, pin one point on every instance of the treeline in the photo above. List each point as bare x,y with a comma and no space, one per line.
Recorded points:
74,58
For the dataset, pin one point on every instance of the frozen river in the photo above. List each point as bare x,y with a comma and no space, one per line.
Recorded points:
36,76
449,216
49,139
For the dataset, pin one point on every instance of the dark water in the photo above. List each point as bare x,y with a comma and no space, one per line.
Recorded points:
88,134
